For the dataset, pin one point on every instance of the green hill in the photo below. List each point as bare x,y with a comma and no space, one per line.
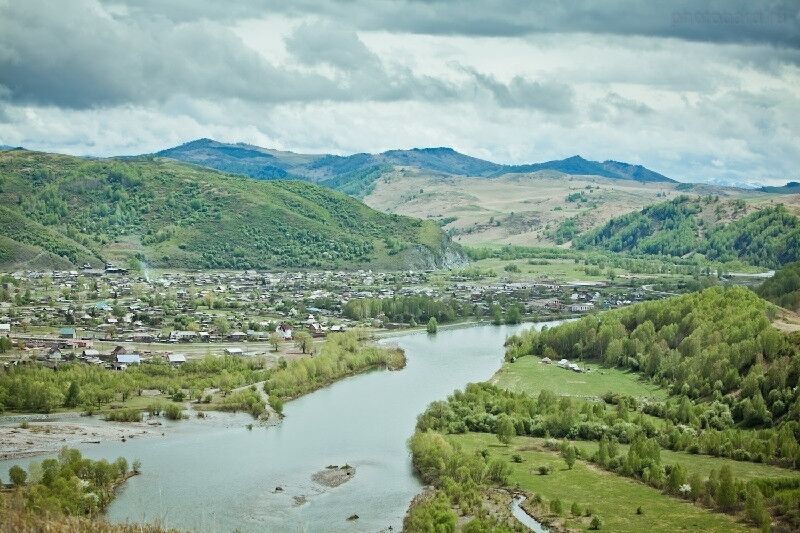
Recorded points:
722,231
59,210
784,287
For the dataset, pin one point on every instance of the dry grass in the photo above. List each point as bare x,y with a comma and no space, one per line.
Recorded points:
522,209
15,519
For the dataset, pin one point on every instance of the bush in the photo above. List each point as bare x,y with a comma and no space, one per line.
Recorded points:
17,475
124,415
173,412
543,470
575,509
517,458
556,507
596,523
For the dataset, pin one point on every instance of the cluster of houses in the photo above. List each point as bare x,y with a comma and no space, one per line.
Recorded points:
68,309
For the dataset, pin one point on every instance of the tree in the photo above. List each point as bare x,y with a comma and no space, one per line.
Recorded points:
275,340
433,325
570,454
73,395
513,315
726,493
596,523
575,509
303,341
556,507
677,478
221,325
18,475
602,452
754,506
505,429
497,315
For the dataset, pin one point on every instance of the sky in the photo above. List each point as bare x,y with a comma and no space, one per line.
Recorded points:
697,91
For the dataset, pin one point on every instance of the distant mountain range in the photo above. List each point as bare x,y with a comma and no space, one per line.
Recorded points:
792,187
341,172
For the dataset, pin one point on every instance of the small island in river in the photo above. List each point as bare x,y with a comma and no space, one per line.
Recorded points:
333,475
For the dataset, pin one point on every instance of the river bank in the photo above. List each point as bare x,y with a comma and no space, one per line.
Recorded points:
30,439
362,420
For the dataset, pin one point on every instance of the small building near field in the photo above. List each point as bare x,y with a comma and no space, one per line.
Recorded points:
176,359
66,333
234,351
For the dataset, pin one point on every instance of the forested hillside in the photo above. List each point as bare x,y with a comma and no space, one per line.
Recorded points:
58,210
716,345
769,237
784,288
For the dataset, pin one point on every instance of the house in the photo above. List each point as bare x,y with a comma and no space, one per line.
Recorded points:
5,329
66,333
91,352
54,354
285,330
237,336
316,330
581,307
124,360
234,351
176,359
118,350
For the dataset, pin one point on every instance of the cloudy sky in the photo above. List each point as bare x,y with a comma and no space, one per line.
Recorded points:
697,92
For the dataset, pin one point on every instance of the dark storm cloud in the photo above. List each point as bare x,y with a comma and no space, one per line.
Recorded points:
775,22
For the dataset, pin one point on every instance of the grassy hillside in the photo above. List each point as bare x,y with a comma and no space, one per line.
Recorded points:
720,230
58,209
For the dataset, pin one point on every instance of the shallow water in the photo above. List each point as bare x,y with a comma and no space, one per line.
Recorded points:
216,475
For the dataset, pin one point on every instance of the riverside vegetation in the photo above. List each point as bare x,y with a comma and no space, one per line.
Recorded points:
732,380
66,485
40,389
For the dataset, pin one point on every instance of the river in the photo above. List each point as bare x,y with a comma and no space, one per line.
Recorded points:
216,475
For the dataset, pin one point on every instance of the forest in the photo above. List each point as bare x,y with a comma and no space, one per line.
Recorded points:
783,288
176,215
721,231
715,345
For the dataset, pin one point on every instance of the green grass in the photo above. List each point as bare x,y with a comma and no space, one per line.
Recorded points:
613,498
529,375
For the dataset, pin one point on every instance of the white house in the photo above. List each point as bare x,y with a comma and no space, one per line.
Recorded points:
234,351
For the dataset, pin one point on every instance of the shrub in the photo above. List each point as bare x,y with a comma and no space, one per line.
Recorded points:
173,412
596,523
556,507
543,470
17,475
124,415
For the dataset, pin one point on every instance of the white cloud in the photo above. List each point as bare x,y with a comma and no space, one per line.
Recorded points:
343,81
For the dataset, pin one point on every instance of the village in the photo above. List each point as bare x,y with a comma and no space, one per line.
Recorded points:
116,318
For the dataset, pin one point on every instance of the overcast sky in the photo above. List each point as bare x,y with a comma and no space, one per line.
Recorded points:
694,92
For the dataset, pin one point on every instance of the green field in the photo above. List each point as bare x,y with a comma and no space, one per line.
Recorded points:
529,375
613,498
